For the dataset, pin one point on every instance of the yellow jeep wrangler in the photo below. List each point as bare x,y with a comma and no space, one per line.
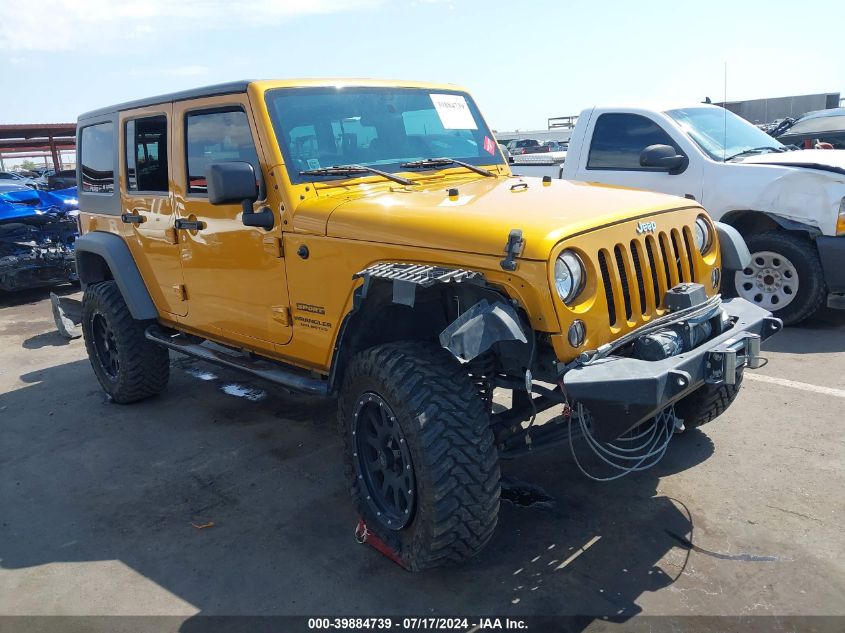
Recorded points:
366,240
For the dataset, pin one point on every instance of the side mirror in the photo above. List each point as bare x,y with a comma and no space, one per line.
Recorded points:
663,157
235,182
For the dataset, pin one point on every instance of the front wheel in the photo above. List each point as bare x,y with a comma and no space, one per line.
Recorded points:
708,402
784,276
422,465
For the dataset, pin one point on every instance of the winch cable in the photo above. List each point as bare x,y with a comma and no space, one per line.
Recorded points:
601,452
711,305
654,440
646,454
652,433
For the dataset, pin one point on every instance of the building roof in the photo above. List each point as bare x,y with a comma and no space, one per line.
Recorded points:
37,130
25,137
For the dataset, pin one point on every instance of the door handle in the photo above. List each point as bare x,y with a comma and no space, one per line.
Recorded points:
189,225
133,218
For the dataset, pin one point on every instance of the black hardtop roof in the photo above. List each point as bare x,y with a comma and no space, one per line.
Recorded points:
822,113
231,87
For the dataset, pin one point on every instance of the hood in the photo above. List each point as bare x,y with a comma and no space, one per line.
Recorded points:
832,160
480,218
30,205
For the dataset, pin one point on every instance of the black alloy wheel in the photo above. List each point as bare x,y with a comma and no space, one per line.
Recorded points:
420,457
128,366
105,346
384,462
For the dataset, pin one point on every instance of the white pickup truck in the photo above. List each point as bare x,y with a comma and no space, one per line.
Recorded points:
788,205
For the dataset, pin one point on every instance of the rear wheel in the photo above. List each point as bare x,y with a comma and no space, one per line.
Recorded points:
420,457
784,276
128,366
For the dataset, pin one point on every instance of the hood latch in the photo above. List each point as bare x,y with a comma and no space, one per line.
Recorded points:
513,249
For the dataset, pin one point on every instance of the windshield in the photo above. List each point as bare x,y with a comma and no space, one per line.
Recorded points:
376,127
721,133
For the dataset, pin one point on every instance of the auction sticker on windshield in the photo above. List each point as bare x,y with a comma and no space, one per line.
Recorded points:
454,112
489,145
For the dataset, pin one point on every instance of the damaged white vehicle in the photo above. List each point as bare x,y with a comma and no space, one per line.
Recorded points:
789,205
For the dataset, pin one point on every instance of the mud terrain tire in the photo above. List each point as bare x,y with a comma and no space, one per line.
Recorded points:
433,408
707,403
128,366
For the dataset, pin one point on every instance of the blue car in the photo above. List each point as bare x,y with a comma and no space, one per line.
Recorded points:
37,233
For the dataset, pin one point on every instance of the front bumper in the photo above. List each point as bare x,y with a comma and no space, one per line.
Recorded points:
832,256
622,392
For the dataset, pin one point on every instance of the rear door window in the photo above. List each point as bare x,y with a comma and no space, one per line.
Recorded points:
146,154
619,139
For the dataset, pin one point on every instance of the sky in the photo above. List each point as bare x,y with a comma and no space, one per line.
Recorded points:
523,60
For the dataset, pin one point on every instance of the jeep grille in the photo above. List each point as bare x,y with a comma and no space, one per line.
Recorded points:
636,275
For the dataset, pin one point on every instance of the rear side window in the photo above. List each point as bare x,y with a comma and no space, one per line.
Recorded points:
97,158
146,154
214,137
619,139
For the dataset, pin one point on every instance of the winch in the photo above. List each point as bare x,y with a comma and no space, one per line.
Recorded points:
685,335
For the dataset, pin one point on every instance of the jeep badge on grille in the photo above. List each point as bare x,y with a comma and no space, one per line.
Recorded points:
646,227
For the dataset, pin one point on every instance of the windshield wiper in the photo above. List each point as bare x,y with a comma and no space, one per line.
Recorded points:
349,170
753,150
440,162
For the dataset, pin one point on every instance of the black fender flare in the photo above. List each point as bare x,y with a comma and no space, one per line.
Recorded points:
115,253
735,254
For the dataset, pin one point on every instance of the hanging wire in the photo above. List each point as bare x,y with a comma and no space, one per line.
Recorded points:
645,448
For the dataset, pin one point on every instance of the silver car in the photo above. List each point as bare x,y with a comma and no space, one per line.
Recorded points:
10,177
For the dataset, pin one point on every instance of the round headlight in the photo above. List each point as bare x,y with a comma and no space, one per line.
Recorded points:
703,235
569,276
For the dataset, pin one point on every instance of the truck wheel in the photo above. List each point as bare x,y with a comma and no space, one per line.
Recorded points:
707,403
128,366
420,457
784,276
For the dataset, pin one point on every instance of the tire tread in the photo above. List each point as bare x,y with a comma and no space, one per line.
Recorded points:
144,366
459,456
707,403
